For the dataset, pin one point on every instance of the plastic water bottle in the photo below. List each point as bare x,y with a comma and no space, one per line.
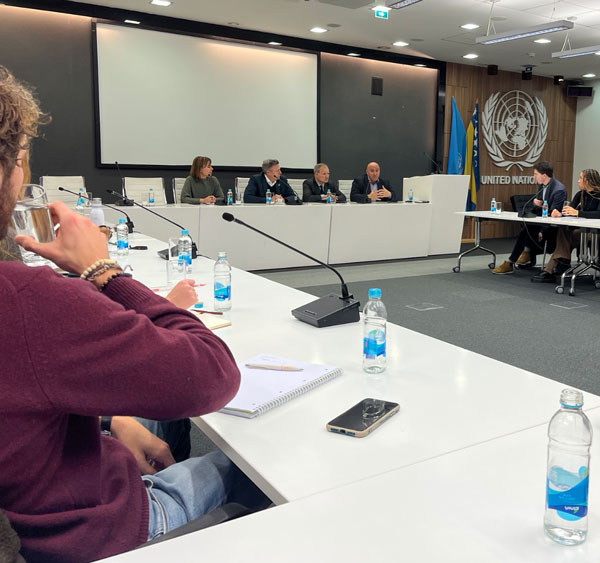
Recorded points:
184,252
122,238
411,196
545,209
222,284
229,197
569,441
268,197
374,319
328,199
493,207
150,197
97,213
80,205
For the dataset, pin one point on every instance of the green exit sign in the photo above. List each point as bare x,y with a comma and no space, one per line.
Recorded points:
381,14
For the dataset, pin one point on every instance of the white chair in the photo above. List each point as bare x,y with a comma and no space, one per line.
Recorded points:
52,183
240,186
296,185
177,187
345,187
137,189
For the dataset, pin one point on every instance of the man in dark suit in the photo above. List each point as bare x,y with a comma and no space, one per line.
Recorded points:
532,238
269,179
316,188
371,187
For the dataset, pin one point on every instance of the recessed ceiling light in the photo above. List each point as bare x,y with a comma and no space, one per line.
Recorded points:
470,56
274,43
161,2
353,54
399,43
133,22
419,64
318,30
543,41
589,75
469,26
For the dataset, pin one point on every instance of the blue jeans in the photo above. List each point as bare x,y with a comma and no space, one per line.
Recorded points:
187,490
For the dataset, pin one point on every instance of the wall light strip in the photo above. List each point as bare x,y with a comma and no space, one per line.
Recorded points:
396,4
550,27
577,52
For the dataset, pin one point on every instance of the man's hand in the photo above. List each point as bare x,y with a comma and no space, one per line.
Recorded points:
538,202
183,294
150,452
276,197
374,195
384,192
556,213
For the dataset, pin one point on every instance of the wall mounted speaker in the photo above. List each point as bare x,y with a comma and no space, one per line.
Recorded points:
492,70
376,86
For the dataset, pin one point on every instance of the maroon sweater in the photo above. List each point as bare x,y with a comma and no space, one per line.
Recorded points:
67,355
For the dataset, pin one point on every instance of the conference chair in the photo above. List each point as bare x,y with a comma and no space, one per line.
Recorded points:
52,183
177,187
588,258
345,187
240,186
137,189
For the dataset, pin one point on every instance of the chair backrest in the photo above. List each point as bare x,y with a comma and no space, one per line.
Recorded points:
296,186
345,187
177,187
240,186
52,183
520,201
137,189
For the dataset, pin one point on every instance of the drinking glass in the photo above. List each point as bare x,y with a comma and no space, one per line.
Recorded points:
31,217
498,207
175,270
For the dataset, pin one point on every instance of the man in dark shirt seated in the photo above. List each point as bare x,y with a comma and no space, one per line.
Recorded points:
371,187
316,188
269,179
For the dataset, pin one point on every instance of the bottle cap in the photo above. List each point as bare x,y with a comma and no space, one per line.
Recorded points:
571,398
121,220
185,232
97,201
222,254
374,293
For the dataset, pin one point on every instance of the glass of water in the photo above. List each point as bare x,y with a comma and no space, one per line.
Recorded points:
31,217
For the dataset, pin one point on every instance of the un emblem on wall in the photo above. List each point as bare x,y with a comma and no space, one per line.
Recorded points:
514,127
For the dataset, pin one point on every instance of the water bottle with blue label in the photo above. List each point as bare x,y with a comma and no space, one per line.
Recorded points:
184,252
567,477
80,205
268,197
229,197
545,209
374,336
150,197
328,197
222,285
122,238
411,195
493,206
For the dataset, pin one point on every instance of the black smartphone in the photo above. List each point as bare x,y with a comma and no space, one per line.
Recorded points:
364,417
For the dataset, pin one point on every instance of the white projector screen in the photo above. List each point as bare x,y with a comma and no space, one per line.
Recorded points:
166,98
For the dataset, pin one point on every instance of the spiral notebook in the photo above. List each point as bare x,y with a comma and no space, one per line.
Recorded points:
264,389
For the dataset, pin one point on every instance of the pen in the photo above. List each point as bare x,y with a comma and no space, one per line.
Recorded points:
273,367
209,312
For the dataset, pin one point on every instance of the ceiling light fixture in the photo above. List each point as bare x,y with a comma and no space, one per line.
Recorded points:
318,29
542,41
353,54
550,27
400,44
419,64
133,22
396,4
589,75
469,26
470,56
595,50
164,3
274,43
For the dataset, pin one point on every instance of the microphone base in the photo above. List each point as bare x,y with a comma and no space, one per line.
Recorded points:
164,254
124,203
526,214
330,310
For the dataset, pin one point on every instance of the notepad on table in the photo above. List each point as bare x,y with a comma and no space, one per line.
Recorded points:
213,322
264,389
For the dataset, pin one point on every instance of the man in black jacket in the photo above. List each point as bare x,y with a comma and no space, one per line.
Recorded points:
371,187
269,179
532,238
316,188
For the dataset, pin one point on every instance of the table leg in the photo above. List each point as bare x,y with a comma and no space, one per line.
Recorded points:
477,246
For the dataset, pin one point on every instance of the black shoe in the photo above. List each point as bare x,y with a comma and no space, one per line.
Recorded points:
543,277
562,265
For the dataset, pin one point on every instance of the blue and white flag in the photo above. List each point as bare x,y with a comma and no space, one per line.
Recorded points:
458,143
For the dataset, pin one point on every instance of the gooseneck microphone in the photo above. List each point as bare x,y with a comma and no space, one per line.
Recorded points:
162,253
129,222
297,200
327,311
124,201
438,169
523,211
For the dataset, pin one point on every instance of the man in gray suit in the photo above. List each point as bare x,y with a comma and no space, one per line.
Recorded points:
316,188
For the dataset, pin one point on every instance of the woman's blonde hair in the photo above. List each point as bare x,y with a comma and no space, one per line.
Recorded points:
591,180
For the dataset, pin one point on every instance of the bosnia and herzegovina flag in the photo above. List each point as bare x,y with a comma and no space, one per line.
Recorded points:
458,144
472,159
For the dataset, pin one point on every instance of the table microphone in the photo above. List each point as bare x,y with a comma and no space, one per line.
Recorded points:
297,200
522,212
437,166
124,201
129,222
331,310
162,253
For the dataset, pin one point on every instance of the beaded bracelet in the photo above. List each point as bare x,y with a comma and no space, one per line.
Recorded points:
96,266
112,277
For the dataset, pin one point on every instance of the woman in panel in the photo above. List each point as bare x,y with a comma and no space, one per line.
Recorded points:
201,186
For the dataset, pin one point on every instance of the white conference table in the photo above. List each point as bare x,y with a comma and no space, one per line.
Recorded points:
483,503
450,398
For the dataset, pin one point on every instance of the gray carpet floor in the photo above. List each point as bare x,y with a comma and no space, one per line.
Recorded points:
506,317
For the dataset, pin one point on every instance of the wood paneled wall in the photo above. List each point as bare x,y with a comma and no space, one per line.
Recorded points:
471,84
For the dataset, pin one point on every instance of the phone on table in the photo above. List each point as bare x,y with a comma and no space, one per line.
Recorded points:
364,417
